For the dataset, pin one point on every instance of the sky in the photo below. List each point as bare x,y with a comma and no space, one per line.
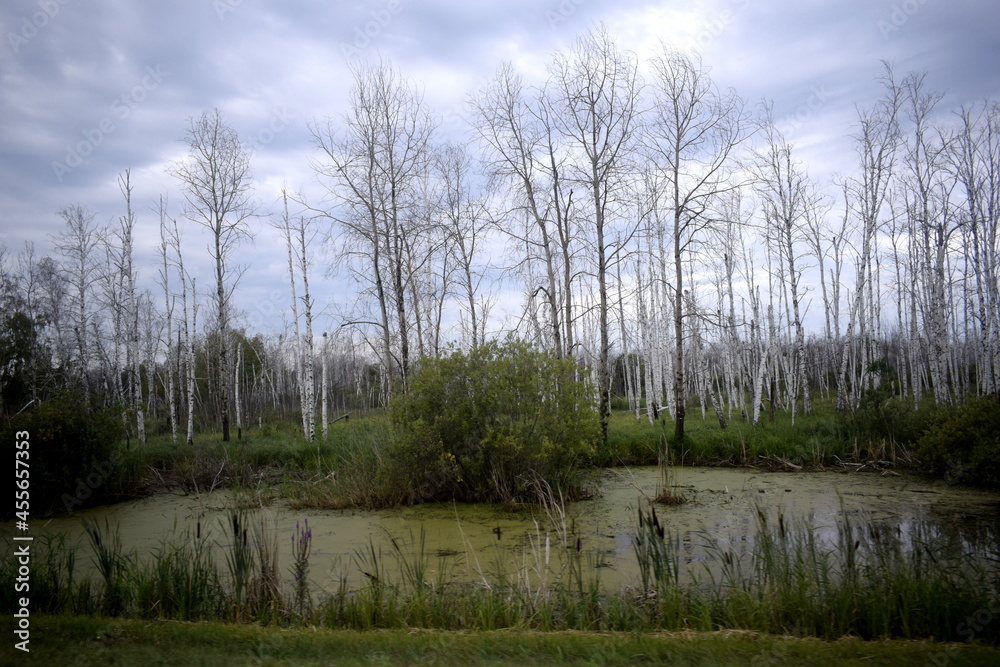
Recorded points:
91,88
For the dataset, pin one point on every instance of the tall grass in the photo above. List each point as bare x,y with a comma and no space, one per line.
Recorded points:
180,581
816,440
787,577
301,550
355,472
112,563
869,581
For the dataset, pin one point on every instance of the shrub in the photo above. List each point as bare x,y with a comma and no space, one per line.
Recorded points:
965,445
488,424
73,452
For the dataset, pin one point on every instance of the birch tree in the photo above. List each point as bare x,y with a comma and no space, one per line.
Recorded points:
173,257
876,142
298,236
932,223
692,138
218,188
174,352
371,167
125,304
975,162
597,95
76,245
787,201
465,216
524,154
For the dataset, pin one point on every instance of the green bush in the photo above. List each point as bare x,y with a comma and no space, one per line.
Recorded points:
74,454
965,445
486,425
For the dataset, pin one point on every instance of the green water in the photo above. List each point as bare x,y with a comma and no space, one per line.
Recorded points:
480,542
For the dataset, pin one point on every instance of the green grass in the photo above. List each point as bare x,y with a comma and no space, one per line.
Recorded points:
88,641
352,468
812,440
818,440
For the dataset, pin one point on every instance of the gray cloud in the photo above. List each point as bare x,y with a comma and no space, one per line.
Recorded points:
118,80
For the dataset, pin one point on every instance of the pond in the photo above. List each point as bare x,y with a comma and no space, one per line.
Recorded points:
480,543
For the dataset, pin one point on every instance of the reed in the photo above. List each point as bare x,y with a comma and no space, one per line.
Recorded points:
789,577
265,587
239,554
301,550
181,580
112,563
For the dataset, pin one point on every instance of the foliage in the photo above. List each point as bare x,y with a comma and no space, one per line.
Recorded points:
965,445
17,349
882,416
74,452
486,425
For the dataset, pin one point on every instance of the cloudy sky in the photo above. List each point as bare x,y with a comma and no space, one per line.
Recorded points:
90,88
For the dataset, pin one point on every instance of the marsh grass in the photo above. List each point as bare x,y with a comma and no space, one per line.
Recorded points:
866,580
180,580
255,465
239,556
265,587
301,550
667,492
801,578
112,563
53,576
354,473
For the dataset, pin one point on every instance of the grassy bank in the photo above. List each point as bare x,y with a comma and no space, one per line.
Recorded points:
100,641
349,469
817,440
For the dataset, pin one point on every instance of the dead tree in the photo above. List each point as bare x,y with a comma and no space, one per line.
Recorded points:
691,138
218,187
371,167
596,89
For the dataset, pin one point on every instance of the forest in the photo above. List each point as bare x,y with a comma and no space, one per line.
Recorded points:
633,217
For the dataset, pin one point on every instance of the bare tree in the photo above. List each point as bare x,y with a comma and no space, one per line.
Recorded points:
371,167
298,235
284,226
932,223
465,218
173,256
174,352
218,187
596,88
788,203
877,142
524,153
975,161
124,303
76,245
692,138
